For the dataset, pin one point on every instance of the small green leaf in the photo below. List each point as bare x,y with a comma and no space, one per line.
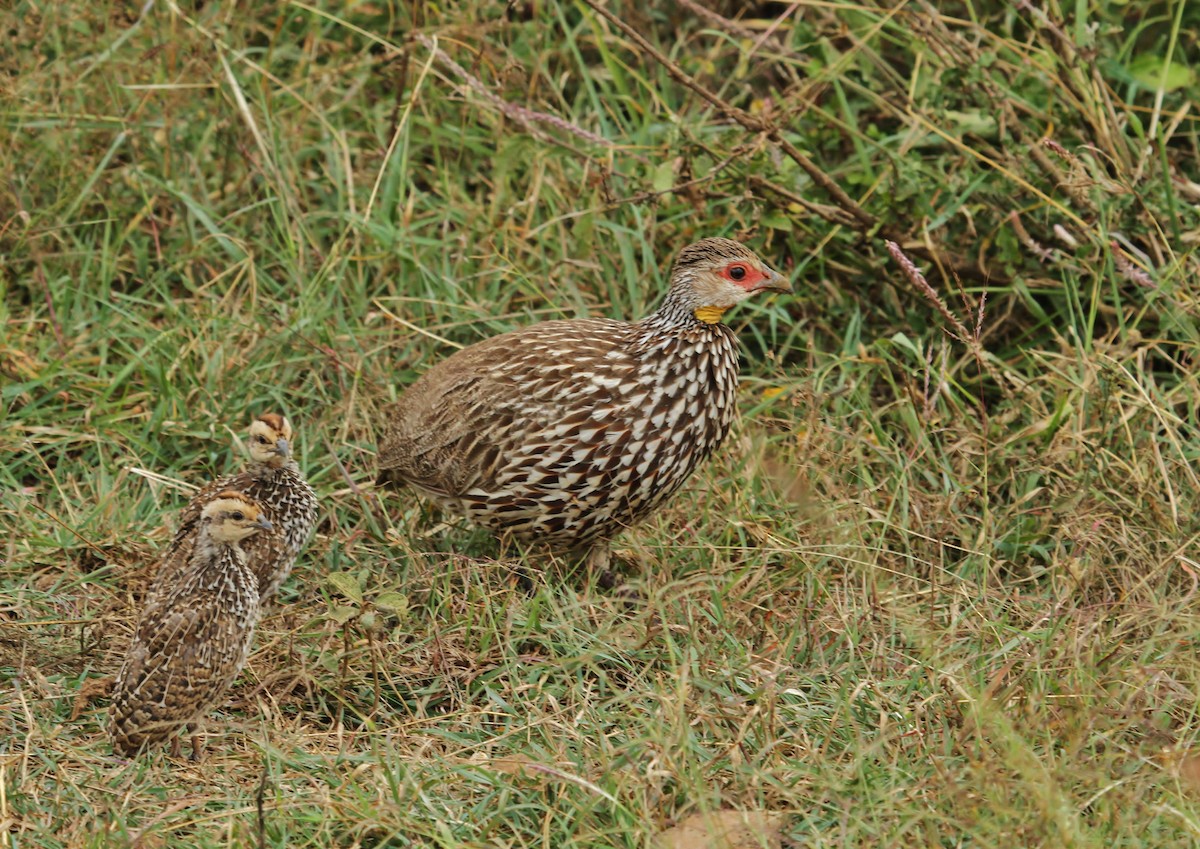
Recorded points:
972,121
664,176
396,603
903,342
777,220
346,584
1147,69
341,613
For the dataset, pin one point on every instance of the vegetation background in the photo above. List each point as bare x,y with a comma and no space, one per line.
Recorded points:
938,590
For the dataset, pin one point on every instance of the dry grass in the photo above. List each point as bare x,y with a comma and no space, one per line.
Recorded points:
940,587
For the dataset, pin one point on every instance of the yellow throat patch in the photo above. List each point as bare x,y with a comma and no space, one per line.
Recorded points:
710,315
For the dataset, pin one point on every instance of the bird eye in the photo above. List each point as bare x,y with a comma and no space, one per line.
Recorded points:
261,438
737,272
238,515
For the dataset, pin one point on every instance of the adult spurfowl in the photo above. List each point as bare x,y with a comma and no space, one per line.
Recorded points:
194,634
567,432
273,479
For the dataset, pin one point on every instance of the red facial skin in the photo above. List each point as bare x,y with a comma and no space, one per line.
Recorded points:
753,277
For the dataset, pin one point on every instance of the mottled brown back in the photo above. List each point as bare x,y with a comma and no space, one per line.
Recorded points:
287,501
192,639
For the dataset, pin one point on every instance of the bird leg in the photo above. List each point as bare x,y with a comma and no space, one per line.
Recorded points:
197,742
176,750
597,563
599,557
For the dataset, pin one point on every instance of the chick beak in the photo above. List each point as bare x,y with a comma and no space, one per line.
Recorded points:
773,281
282,448
264,523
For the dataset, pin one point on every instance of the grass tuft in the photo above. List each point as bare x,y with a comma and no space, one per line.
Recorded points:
938,588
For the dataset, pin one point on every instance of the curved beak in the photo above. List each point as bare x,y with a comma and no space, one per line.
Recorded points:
264,523
774,282
282,448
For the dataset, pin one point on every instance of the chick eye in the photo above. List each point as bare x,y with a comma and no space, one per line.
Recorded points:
737,272
261,438
238,516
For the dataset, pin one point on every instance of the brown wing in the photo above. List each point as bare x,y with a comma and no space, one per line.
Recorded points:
452,430
151,696
187,648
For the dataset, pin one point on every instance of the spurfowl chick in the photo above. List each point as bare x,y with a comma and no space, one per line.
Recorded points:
193,636
566,432
275,481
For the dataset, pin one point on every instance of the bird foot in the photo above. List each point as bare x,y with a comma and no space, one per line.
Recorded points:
600,567
599,557
197,745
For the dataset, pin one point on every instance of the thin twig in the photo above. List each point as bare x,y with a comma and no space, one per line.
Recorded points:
1046,255
738,31
521,114
345,473
642,197
259,796
373,504
719,21
829,213
775,24
754,124
838,216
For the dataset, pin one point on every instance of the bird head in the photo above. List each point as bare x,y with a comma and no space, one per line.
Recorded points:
232,516
270,439
712,275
